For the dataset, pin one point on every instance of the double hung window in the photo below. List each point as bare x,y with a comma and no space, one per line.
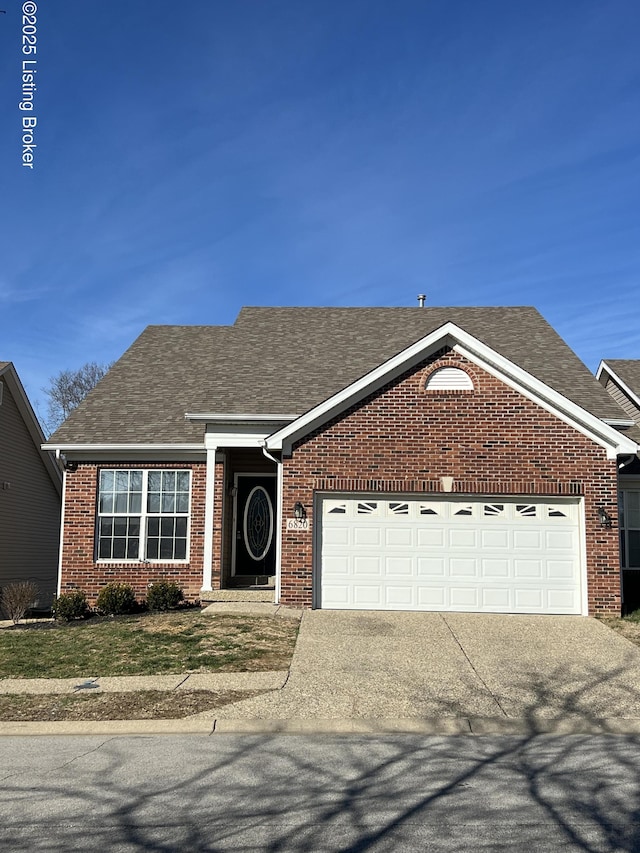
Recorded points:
143,515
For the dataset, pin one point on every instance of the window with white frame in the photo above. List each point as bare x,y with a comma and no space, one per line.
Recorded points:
143,515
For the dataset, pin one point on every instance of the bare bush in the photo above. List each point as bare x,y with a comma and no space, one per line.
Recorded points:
18,598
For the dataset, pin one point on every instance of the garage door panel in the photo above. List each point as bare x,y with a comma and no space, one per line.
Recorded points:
526,539
431,537
431,566
496,598
532,598
399,566
493,555
561,600
432,597
560,540
464,597
368,595
338,595
463,568
335,566
401,597
528,569
463,538
560,570
336,535
494,539
371,566
400,536
492,567
366,537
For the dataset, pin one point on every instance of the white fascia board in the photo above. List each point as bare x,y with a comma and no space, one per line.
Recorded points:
619,422
116,452
557,404
603,366
484,357
235,439
238,418
623,386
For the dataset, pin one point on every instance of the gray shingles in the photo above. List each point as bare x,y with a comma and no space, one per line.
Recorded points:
286,360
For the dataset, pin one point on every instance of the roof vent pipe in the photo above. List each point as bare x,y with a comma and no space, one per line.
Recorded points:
421,298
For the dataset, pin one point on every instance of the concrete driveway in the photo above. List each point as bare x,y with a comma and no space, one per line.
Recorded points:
445,665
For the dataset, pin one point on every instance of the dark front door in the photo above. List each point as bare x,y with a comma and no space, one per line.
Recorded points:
255,533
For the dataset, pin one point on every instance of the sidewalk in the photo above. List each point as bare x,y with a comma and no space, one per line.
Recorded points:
133,683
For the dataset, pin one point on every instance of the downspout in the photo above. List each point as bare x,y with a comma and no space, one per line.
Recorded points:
279,481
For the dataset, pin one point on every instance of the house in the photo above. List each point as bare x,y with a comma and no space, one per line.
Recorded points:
621,378
30,491
371,458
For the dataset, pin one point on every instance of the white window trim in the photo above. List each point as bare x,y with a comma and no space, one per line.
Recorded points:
143,515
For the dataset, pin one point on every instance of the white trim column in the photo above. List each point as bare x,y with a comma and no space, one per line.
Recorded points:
209,502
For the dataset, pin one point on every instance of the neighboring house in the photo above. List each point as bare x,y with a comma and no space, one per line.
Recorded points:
30,489
372,458
621,378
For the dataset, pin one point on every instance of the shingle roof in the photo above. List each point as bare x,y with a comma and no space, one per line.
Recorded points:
286,360
628,370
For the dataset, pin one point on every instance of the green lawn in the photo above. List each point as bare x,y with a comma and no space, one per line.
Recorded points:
146,644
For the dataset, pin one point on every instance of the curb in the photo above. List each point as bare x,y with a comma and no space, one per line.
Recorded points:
443,726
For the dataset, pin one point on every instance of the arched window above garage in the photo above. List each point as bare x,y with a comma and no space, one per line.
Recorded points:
449,379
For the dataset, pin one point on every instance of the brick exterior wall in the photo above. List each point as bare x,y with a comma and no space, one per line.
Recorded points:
491,440
80,569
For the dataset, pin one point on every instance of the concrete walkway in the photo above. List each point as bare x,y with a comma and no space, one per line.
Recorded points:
419,672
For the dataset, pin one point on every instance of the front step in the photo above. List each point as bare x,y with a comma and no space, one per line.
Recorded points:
266,594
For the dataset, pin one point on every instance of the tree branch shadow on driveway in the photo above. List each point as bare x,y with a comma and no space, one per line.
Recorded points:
347,793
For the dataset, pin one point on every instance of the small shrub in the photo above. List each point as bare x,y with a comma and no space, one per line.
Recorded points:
70,605
114,599
164,595
17,598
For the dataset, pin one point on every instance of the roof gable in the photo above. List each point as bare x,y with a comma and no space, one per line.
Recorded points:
625,373
9,376
484,357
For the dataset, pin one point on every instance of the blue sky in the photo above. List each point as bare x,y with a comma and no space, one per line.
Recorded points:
192,158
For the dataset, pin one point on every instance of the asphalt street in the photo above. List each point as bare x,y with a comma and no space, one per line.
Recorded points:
332,793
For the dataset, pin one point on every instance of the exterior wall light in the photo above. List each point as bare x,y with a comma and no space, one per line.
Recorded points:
299,511
604,517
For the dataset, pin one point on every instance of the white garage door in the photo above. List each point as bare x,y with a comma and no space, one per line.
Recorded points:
491,555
